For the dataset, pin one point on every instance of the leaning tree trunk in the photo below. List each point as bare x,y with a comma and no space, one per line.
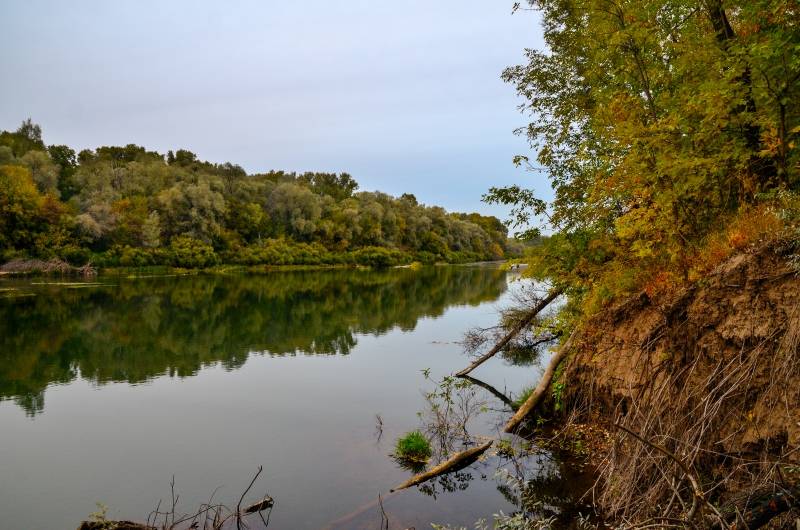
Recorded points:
454,463
541,389
525,322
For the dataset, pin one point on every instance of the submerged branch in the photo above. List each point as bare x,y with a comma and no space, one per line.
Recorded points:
492,390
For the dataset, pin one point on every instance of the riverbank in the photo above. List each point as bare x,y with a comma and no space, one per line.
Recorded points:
56,267
688,399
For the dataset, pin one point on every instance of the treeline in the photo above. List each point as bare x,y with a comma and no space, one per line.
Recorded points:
127,206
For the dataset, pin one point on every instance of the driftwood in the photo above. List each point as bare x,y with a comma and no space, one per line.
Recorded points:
52,266
522,324
260,506
541,389
454,463
116,525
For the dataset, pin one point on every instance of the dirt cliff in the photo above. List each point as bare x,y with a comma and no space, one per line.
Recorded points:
709,373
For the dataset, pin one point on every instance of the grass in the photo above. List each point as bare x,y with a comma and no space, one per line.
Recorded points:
523,396
413,446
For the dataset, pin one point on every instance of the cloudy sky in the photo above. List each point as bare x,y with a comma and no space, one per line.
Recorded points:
404,95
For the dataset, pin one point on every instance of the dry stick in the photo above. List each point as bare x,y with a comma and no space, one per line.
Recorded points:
525,322
239,504
456,462
541,389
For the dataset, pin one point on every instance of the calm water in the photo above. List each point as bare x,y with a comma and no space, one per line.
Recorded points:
110,388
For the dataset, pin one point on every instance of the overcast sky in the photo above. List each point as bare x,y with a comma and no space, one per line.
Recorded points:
404,95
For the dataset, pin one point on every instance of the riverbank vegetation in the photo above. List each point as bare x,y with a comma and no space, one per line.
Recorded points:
669,133
127,206
413,446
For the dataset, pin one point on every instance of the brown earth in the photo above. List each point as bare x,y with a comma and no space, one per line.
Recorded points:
710,373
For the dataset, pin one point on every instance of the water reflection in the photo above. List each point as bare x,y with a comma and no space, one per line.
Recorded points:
538,484
131,330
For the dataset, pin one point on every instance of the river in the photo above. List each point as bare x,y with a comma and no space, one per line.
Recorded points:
110,387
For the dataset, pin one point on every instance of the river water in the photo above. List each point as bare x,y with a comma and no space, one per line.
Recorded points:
110,388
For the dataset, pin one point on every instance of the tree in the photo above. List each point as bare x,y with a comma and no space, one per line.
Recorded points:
19,208
43,171
151,231
30,131
65,158
193,209
26,138
653,120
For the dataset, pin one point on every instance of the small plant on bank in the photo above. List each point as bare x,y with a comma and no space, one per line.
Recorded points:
413,446
523,397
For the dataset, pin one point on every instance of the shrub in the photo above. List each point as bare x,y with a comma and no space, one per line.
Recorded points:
426,257
523,396
413,446
379,257
191,253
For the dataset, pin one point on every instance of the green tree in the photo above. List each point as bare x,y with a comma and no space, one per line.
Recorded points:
67,162
20,202
43,171
654,120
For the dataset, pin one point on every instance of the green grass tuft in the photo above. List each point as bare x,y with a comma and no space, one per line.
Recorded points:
523,396
413,446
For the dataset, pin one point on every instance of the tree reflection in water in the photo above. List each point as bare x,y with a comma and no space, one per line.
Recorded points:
132,330
540,485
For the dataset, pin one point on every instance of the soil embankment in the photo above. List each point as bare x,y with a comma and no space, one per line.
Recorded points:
705,379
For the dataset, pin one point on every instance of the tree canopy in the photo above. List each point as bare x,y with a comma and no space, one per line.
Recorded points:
126,205
658,122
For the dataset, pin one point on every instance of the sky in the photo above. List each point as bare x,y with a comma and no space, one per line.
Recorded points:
406,96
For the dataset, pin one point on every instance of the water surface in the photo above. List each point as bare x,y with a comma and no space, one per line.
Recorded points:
109,388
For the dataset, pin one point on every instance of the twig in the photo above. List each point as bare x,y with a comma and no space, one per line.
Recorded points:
239,504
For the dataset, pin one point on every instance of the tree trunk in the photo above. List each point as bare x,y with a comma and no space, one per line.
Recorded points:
525,322
541,389
456,462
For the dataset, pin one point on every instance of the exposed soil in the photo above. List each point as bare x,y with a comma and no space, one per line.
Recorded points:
710,373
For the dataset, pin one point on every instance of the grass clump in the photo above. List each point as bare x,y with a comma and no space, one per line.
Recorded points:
523,397
413,446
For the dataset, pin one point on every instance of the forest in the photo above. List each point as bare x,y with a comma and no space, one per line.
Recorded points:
127,206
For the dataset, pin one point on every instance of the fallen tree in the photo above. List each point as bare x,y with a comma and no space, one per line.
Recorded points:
454,463
541,389
51,266
522,324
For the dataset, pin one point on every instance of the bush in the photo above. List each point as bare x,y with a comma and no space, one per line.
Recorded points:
192,253
379,257
523,396
413,446
425,257
76,255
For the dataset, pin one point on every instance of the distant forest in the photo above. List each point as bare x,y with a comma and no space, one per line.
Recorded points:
127,206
